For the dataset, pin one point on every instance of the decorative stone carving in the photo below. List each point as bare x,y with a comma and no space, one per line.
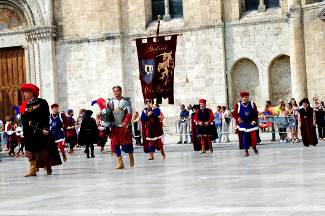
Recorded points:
44,32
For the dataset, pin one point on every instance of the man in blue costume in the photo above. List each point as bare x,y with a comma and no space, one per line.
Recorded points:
246,114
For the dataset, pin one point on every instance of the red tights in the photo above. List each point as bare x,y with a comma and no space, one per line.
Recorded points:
203,141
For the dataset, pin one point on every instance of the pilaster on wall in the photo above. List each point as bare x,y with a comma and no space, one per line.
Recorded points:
41,54
297,51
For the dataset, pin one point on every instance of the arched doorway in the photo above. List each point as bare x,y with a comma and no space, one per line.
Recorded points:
245,77
280,75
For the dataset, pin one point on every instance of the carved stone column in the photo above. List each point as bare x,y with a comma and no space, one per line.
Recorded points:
262,6
297,51
167,16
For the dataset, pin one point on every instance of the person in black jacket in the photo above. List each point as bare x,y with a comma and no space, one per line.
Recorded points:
89,133
41,149
319,111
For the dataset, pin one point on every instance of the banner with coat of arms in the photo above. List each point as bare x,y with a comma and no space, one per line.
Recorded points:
156,65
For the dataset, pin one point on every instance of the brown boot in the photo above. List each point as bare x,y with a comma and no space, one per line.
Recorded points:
17,153
47,166
131,159
151,156
203,150
246,153
211,147
120,163
23,155
163,154
32,171
255,149
113,153
103,150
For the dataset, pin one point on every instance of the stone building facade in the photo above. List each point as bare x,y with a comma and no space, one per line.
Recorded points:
76,50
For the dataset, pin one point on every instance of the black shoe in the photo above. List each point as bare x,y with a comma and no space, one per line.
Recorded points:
179,142
92,155
185,142
88,156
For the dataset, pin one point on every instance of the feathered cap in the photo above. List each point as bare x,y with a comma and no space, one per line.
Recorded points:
101,103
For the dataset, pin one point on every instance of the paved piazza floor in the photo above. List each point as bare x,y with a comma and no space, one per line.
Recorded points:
284,179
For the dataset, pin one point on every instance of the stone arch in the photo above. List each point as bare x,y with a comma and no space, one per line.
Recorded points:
32,13
245,77
280,79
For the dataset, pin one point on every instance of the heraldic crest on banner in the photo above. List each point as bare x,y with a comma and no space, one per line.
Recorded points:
156,57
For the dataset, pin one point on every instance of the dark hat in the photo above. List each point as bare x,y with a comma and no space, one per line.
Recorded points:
304,100
70,111
11,118
196,106
88,113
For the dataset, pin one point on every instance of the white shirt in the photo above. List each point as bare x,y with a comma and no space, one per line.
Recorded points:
6,127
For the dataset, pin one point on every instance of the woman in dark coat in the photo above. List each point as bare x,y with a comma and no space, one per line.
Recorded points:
89,133
307,123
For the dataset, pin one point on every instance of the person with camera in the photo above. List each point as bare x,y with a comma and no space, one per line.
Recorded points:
182,124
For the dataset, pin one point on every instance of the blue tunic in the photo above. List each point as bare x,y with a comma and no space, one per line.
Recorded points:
56,125
246,113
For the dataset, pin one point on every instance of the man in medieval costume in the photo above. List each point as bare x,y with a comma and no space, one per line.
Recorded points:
59,122
307,123
40,147
120,136
153,131
206,130
89,133
246,114
193,129
72,138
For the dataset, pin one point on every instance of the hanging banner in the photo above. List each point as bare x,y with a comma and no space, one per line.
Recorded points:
156,65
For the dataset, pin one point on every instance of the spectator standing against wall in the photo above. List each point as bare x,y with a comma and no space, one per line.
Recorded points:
315,103
225,122
278,108
319,111
292,123
182,124
283,125
218,125
190,110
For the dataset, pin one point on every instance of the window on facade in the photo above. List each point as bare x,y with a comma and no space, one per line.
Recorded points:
158,8
272,3
252,4
175,8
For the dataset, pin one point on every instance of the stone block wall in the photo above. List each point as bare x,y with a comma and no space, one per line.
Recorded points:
314,29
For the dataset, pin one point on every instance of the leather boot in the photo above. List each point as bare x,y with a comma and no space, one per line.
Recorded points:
131,159
151,156
203,149
87,153
255,149
211,148
92,151
163,154
120,163
246,153
47,166
32,171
